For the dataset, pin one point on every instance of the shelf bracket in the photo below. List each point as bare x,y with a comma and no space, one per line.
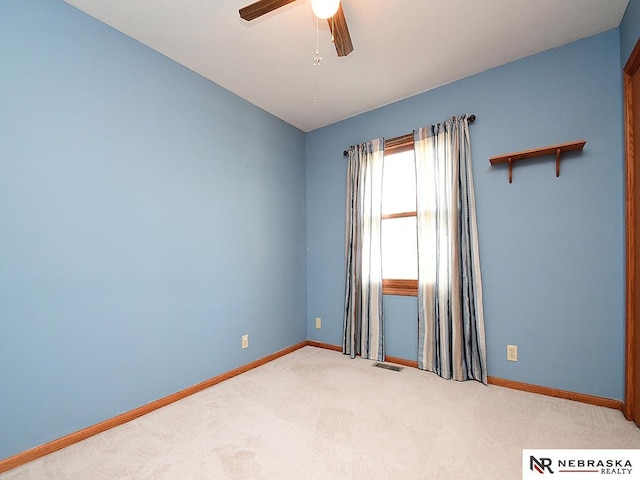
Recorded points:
510,170
558,162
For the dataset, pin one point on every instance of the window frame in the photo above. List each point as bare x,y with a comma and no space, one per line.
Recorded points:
398,286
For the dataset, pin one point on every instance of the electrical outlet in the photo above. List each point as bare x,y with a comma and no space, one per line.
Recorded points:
318,322
512,353
245,341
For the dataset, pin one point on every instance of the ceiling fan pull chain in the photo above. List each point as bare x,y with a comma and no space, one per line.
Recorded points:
317,59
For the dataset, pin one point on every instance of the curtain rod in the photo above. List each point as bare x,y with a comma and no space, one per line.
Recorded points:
409,136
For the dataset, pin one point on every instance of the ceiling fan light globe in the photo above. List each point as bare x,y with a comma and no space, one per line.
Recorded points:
325,8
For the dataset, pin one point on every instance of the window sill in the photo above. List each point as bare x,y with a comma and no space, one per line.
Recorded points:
407,288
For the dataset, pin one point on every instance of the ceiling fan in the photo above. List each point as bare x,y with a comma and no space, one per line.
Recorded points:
337,23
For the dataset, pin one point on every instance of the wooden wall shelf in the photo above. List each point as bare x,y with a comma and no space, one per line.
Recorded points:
538,152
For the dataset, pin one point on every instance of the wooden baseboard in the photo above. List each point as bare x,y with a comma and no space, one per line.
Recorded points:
50,447
554,392
501,382
326,346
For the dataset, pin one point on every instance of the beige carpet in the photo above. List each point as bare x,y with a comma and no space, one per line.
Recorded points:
316,414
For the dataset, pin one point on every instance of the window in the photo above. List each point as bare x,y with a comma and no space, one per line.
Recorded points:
398,226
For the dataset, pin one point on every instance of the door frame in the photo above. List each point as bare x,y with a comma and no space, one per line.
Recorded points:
630,69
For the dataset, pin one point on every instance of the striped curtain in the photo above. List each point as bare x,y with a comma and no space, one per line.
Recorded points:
451,337
363,321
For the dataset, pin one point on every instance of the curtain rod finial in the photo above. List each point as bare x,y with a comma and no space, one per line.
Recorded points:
345,153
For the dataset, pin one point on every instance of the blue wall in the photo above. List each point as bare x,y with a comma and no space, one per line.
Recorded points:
148,219
629,30
551,248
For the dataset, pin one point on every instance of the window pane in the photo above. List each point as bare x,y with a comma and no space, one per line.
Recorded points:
399,248
399,183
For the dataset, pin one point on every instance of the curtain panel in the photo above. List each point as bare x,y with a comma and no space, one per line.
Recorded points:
451,336
363,320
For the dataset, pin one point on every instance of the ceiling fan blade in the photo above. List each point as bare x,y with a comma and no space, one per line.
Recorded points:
259,8
340,31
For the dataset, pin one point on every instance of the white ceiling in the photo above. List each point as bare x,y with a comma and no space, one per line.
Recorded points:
401,47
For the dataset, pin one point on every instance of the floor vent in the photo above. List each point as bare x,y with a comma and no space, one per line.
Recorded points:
386,366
